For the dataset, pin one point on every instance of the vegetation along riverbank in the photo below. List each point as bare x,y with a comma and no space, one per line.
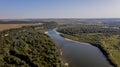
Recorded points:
106,39
28,47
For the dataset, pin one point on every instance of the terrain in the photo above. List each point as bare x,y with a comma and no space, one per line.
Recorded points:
27,46
9,26
104,36
26,39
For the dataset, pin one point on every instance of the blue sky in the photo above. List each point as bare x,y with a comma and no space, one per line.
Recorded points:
19,9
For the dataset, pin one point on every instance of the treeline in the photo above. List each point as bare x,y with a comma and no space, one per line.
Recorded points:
107,39
79,29
50,25
27,47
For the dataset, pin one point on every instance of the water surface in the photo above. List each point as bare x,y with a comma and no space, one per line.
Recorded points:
79,54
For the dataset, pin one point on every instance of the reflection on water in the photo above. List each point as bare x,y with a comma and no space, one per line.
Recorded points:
79,54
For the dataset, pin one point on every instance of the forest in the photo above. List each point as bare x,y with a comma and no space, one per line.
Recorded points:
49,25
107,39
28,47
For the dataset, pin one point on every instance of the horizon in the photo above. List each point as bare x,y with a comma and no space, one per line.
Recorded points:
54,18
22,9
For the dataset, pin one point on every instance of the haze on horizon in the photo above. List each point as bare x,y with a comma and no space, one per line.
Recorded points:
19,9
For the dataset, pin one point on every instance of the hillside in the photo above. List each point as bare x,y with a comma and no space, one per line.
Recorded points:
27,47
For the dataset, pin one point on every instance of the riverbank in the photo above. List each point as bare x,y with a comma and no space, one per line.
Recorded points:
63,62
79,54
105,53
29,43
102,49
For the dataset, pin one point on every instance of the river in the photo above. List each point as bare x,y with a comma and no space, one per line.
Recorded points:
79,54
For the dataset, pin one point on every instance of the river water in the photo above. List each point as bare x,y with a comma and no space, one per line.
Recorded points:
79,54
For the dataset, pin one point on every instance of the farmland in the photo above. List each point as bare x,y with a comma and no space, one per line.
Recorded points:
9,26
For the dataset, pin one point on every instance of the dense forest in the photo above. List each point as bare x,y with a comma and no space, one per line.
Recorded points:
28,47
49,25
107,39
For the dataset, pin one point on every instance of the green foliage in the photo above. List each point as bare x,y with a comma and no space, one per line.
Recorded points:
27,47
107,38
50,25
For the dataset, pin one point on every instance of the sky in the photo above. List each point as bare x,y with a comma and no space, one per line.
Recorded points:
21,9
